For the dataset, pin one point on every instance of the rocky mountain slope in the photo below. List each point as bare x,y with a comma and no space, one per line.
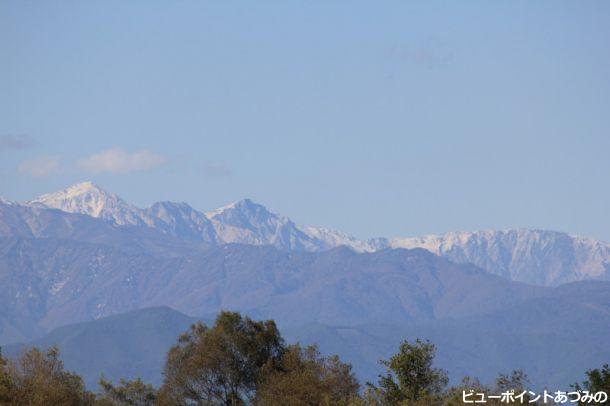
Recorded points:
46,283
535,256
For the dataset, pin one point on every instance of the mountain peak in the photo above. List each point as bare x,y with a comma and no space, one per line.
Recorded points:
90,199
243,205
85,185
248,222
250,205
7,202
533,256
167,205
74,191
540,257
247,203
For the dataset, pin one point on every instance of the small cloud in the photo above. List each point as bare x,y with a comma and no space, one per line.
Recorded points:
215,169
40,167
19,141
117,160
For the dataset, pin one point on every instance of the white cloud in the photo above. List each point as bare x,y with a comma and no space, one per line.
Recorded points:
117,160
40,167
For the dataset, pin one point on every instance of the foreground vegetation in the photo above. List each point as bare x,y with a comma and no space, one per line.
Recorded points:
239,361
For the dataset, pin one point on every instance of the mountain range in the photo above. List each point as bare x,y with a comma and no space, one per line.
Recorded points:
554,338
489,299
540,257
48,282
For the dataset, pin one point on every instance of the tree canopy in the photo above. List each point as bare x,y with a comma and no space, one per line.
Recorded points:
126,393
304,377
410,376
598,380
38,378
239,361
221,364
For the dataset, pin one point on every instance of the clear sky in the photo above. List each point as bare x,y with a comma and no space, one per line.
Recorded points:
375,118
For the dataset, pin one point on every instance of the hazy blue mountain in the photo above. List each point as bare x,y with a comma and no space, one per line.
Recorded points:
554,337
42,283
359,305
45,283
128,345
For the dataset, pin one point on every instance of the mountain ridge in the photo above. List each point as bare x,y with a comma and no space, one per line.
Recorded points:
540,257
45,283
531,336
58,268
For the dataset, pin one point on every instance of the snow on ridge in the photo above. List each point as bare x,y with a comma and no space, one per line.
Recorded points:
7,202
245,205
213,213
88,198
334,238
528,255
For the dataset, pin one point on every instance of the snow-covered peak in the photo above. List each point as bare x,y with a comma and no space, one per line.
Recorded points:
181,220
171,206
7,202
213,213
247,214
244,206
248,222
330,238
441,243
534,256
90,199
541,257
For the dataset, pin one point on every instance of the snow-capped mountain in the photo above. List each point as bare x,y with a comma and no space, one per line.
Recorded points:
539,257
242,222
6,202
246,222
181,220
532,256
176,219
58,268
329,238
83,254
88,198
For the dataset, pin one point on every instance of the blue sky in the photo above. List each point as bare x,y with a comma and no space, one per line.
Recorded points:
376,118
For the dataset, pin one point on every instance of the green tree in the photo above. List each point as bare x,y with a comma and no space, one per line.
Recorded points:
303,377
598,380
454,396
220,365
6,387
38,378
517,381
126,393
410,377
